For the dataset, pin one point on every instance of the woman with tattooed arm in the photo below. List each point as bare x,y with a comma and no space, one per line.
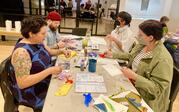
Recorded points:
31,64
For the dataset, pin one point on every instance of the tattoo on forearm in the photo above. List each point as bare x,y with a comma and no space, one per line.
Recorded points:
21,62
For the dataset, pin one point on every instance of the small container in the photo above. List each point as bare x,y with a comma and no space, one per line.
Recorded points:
65,64
84,43
92,65
82,65
8,25
85,52
18,26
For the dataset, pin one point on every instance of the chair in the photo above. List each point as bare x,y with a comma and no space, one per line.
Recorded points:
68,11
174,88
10,102
79,31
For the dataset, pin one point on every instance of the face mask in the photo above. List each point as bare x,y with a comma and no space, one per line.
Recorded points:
119,30
141,41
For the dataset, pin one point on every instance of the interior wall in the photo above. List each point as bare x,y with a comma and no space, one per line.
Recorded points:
154,9
174,16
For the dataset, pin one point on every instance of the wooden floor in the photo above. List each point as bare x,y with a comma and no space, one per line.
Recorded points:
8,45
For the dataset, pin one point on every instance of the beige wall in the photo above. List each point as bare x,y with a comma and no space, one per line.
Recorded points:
174,16
134,24
170,9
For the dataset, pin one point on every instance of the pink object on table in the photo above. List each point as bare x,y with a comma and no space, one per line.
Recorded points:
177,32
63,75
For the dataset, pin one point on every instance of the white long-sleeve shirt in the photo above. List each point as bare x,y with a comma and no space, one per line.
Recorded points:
125,36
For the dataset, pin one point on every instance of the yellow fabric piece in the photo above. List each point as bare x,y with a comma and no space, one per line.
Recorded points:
63,90
73,54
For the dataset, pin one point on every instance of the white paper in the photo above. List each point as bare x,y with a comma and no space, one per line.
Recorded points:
89,82
112,70
175,37
89,77
117,106
107,61
90,87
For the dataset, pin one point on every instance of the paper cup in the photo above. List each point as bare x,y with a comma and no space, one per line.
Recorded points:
8,24
17,26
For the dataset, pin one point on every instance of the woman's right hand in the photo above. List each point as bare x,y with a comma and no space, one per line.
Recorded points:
110,37
61,44
55,70
108,54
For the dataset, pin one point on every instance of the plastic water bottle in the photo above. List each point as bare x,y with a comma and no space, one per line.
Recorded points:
88,36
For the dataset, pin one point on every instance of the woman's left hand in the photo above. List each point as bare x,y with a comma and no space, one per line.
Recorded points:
129,73
108,54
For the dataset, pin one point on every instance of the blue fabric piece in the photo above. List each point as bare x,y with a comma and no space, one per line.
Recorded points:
101,107
88,98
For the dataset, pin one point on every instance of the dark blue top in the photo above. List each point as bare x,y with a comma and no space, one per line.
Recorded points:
33,96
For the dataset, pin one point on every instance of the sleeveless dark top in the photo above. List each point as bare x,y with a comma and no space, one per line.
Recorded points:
33,96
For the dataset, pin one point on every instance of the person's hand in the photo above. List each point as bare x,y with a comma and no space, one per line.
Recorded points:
129,73
110,37
108,54
61,44
55,70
